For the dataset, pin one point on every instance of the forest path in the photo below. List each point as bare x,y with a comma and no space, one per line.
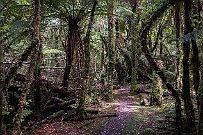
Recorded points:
134,119
125,108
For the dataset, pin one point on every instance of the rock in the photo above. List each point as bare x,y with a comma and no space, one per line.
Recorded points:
144,99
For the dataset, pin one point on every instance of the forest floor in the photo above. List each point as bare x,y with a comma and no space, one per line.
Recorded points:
131,119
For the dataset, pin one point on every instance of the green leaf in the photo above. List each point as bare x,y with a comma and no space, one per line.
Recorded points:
52,51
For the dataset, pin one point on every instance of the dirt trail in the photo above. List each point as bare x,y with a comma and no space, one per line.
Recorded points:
132,119
125,109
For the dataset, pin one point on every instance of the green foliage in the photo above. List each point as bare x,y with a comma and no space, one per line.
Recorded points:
26,113
22,2
52,51
149,131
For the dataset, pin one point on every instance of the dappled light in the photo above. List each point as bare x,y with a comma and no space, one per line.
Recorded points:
101,67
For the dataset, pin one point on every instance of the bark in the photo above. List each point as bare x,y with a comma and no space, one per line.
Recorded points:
195,51
111,48
157,91
1,91
200,122
37,71
35,38
86,75
188,105
177,27
134,49
101,116
37,77
119,42
13,70
72,41
145,30
79,79
195,68
77,53
87,49
58,106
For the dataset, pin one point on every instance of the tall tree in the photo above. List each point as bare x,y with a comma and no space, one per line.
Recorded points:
188,105
134,46
195,53
1,76
144,32
177,19
71,41
35,40
37,70
110,47
86,80
200,122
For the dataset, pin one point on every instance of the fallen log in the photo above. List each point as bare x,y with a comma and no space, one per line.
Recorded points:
101,116
92,111
52,116
69,114
54,100
59,106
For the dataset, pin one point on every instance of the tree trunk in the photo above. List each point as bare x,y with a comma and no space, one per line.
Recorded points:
195,51
22,102
188,105
35,38
195,68
1,91
157,91
37,77
134,49
144,31
111,49
72,41
200,122
178,54
79,77
85,81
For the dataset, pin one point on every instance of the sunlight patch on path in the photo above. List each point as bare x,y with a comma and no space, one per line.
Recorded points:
125,110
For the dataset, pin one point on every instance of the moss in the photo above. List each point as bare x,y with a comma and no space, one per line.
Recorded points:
156,95
148,131
133,81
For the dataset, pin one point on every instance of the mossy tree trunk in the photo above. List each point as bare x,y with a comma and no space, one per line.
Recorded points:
71,41
84,82
37,77
86,43
157,91
197,25
177,21
200,122
200,22
35,39
188,105
110,49
1,78
134,48
144,32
